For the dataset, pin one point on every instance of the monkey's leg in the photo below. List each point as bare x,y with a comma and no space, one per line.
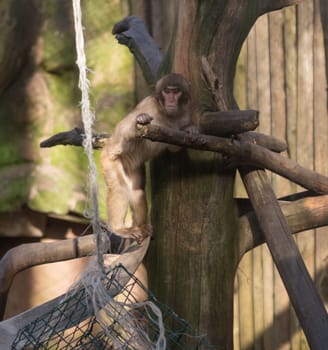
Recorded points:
117,207
138,200
139,207
117,190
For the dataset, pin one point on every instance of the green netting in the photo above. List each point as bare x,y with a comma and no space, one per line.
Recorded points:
72,324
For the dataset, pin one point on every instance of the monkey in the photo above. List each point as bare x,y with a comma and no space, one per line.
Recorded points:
123,160
124,155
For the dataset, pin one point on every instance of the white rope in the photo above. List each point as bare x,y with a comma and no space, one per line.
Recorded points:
104,306
88,118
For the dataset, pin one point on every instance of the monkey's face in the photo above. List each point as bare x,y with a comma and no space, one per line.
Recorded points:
171,99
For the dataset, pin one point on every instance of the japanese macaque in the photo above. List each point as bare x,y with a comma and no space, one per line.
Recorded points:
124,155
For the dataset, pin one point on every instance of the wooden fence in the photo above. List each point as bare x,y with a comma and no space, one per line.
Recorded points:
282,73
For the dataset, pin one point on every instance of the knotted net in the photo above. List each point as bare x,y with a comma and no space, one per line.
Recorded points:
72,324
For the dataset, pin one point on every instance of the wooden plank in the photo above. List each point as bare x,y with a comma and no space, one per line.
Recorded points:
246,314
320,145
291,82
240,83
280,185
290,52
261,96
236,318
305,124
244,91
305,84
258,297
268,287
263,74
320,138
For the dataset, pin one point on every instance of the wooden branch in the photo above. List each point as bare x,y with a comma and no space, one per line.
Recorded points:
23,257
9,328
131,31
274,5
301,215
243,152
228,122
303,295
74,137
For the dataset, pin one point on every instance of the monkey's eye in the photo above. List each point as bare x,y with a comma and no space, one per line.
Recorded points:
172,90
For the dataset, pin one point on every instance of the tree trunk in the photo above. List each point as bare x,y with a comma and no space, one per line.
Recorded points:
208,37
193,259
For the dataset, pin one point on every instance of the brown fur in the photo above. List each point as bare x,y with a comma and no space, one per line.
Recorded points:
124,154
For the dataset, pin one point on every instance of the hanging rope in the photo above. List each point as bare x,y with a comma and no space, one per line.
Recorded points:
108,308
88,118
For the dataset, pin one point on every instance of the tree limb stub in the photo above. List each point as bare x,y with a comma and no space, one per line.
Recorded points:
243,152
74,137
235,122
131,31
228,122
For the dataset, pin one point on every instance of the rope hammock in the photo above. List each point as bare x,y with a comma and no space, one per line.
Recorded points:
101,311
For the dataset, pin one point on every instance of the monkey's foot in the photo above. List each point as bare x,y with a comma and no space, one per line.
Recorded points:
139,233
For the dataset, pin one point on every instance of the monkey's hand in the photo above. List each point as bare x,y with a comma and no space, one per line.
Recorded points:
139,233
193,131
144,119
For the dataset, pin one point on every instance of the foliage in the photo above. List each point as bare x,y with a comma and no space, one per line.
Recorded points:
42,99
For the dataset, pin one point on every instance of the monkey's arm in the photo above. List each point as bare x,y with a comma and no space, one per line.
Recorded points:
124,131
75,137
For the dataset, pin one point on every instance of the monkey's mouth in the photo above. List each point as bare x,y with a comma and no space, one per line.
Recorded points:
171,108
